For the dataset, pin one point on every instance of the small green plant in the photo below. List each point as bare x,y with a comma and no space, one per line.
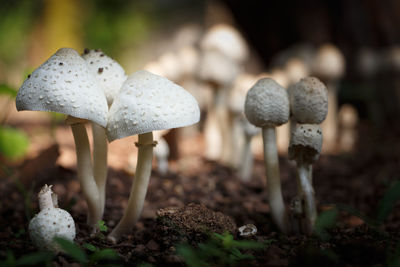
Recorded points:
79,255
219,250
102,226
40,258
327,219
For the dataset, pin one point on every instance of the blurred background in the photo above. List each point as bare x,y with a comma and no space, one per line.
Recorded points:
282,37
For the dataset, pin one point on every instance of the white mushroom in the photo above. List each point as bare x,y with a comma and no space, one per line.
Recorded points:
267,106
110,76
50,222
305,148
146,103
64,84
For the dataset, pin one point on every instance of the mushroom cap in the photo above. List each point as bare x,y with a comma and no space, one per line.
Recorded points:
348,116
188,59
50,223
110,75
267,104
170,63
227,40
308,100
64,84
217,68
305,143
329,62
296,69
148,102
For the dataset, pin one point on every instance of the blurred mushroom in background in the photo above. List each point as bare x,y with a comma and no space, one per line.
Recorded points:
330,66
348,122
223,51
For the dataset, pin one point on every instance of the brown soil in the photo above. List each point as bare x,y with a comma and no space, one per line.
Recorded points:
358,180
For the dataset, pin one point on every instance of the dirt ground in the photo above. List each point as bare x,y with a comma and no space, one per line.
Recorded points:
358,180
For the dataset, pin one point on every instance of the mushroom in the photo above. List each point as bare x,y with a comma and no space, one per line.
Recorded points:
348,120
330,67
267,106
110,76
305,148
146,103
50,222
309,105
64,84
223,51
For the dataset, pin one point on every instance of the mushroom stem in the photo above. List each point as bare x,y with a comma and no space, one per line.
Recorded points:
330,125
277,206
45,197
139,188
85,172
100,163
247,161
303,171
224,123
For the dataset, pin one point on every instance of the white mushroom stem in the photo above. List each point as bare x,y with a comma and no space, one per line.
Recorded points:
139,188
305,181
224,124
100,163
85,173
247,161
45,197
277,206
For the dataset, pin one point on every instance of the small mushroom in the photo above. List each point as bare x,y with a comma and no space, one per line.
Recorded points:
305,148
50,222
70,89
146,103
267,106
110,77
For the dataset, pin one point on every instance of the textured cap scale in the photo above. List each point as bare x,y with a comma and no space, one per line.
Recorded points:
110,75
63,84
148,102
309,100
267,104
305,143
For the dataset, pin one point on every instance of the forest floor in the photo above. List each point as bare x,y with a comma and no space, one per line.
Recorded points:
358,180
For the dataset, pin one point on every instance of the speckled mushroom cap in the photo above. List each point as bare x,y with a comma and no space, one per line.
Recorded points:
64,84
148,102
110,75
50,223
308,100
267,104
329,62
227,40
305,143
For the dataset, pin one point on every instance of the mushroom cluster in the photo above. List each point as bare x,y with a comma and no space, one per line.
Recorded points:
95,88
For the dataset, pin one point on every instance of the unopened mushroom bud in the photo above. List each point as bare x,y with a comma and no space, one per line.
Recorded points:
267,106
50,222
305,148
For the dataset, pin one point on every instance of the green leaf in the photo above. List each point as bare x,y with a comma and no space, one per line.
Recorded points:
325,220
102,226
35,258
71,249
7,90
90,247
103,254
190,256
13,143
388,201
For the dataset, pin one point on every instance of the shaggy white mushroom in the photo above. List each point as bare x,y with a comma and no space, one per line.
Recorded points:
50,222
146,103
64,84
267,106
